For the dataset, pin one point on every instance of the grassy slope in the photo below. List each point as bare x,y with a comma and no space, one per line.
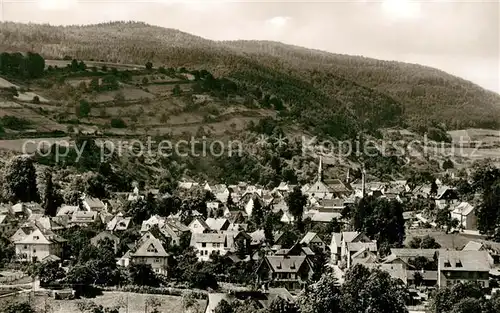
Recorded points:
313,83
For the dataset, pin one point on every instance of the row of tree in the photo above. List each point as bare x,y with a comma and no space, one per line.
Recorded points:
29,65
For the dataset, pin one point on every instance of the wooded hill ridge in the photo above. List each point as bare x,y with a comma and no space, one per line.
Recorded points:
329,94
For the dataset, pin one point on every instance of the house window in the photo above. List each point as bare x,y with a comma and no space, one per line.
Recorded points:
203,244
34,250
214,245
36,237
157,260
25,247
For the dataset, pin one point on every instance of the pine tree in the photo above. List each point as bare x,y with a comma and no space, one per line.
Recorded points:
49,205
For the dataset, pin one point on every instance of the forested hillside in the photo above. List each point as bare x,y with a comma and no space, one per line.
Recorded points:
329,94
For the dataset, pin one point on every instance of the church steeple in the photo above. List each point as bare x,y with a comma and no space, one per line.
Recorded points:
320,169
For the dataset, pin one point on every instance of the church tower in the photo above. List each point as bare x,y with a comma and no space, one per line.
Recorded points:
320,169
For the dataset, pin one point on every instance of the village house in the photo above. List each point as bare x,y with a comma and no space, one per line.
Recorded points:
85,218
364,257
92,204
464,266
25,209
56,224
67,210
405,256
353,242
208,243
38,245
217,224
7,223
287,218
198,226
150,250
290,272
105,235
220,243
396,271
119,223
22,232
296,249
336,247
465,213
312,240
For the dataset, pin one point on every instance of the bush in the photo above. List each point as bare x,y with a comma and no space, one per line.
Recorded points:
36,100
118,123
14,123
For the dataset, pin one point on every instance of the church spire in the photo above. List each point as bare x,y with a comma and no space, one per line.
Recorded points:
320,169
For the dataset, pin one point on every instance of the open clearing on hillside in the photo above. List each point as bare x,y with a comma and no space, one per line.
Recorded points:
6,84
136,302
129,93
475,134
447,241
39,122
9,105
119,66
30,145
28,97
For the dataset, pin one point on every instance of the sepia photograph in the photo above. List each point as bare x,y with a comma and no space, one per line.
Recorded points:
249,156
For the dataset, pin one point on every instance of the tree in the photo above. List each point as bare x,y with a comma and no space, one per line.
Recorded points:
296,202
418,278
268,228
380,219
190,303
81,278
94,84
321,297
50,272
152,305
434,188
426,242
19,183
143,275
118,123
445,299
7,250
83,108
488,215
149,65
429,242
35,65
448,164
443,219
257,213
19,307
177,91
372,291
223,307
280,305
415,243
49,199
74,65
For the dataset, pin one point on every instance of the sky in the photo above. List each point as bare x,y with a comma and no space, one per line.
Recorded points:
459,37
